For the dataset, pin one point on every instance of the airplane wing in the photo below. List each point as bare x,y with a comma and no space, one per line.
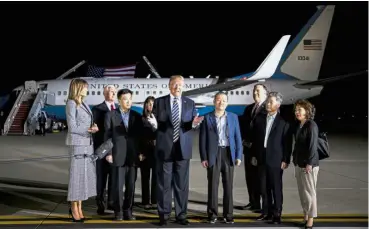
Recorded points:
264,71
321,82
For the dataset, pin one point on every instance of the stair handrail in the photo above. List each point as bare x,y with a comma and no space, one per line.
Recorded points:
37,105
9,121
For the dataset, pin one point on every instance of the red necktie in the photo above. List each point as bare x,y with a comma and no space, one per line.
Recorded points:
112,107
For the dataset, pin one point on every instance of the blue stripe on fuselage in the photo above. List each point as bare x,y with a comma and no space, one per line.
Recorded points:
59,111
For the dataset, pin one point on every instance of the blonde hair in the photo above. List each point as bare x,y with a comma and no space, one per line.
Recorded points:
75,89
175,77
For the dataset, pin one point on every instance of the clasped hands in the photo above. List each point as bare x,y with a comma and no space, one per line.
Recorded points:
93,129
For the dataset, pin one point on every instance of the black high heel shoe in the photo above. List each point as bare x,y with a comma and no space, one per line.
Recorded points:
71,215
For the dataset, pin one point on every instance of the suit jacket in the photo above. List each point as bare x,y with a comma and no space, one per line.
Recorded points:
126,142
209,138
99,112
247,119
164,133
79,120
279,144
306,145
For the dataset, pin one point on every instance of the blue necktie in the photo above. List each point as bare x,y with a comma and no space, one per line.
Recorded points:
175,119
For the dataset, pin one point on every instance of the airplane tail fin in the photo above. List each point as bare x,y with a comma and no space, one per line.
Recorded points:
303,56
271,62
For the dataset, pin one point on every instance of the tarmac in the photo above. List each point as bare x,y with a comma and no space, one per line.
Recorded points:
33,193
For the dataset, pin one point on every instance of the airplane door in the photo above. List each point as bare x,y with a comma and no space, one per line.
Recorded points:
50,98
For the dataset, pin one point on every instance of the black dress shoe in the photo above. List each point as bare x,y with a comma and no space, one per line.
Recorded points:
276,219
129,217
183,221
213,220
118,217
229,220
247,207
163,222
264,217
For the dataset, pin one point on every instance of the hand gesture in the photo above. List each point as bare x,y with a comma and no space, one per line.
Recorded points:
254,162
308,168
205,164
197,120
141,157
152,120
93,129
284,165
109,158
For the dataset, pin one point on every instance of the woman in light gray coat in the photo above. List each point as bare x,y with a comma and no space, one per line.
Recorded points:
82,173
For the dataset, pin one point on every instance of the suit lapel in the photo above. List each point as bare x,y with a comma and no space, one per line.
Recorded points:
213,122
183,104
228,123
86,108
275,123
118,118
167,107
131,120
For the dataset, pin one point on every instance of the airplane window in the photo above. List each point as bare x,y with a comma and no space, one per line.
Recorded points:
88,93
65,92
154,92
242,92
247,92
236,92
136,92
98,93
59,92
160,92
93,92
147,92
231,92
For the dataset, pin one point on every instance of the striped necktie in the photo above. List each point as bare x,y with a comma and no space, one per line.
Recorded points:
175,119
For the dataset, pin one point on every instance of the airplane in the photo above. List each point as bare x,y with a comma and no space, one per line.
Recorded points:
293,71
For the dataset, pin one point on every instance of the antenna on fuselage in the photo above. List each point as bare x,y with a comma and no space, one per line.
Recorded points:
152,69
65,74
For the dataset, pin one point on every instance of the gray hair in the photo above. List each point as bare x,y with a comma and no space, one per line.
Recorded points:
220,93
278,96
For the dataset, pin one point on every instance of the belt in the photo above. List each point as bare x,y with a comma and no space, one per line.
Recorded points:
223,147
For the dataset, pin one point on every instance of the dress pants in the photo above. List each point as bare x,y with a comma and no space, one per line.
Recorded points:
252,182
223,165
103,175
271,189
173,172
123,175
306,184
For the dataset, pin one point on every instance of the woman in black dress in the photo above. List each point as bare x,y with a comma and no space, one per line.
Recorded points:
147,158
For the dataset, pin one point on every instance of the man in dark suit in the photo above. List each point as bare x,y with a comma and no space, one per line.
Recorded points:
260,94
123,126
220,149
272,146
174,117
102,165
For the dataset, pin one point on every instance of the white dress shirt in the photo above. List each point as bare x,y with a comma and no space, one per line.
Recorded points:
270,120
108,104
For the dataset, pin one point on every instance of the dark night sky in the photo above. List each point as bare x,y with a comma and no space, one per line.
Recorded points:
41,41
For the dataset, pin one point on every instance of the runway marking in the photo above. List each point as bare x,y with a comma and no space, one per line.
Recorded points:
110,221
196,215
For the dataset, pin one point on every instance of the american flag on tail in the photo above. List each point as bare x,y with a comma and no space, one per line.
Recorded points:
127,71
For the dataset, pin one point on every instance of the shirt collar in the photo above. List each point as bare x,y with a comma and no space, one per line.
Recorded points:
272,116
172,97
121,111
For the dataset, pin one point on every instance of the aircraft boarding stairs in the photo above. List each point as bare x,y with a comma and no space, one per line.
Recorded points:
25,110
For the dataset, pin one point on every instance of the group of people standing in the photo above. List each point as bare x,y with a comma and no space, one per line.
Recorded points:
160,141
